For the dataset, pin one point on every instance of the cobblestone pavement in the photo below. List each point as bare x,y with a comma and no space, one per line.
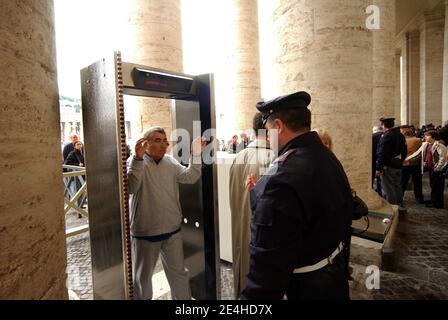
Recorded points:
418,269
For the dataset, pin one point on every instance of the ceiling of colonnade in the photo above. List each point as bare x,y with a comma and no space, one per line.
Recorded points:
408,11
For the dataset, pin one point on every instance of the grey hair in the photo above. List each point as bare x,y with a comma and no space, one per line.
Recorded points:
151,130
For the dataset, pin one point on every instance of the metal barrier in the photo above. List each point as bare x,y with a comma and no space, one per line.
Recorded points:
75,195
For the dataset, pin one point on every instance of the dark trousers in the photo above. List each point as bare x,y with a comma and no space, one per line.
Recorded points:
376,184
391,185
328,283
437,182
416,173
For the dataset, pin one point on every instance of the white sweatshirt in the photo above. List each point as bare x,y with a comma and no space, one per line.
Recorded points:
154,205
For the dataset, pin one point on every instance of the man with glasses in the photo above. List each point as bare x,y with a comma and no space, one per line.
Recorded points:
153,181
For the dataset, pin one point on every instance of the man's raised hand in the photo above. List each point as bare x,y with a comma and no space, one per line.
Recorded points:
140,148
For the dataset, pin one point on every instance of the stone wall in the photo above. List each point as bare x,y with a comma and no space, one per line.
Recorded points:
32,233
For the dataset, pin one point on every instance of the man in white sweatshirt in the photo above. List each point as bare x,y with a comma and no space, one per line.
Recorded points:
156,216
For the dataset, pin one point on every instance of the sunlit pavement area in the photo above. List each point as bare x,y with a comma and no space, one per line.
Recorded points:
418,269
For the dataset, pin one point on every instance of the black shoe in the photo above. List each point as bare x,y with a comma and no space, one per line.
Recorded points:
421,201
430,205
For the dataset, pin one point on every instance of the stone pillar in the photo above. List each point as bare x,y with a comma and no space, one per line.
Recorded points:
410,112
397,108
155,40
32,226
384,62
404,110
413,78
445,69
326,49
431,68
243,62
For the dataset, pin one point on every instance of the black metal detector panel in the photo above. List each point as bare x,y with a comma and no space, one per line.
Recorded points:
199,208
103,86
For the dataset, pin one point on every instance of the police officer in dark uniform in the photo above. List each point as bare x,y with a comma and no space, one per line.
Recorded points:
302,210
391,153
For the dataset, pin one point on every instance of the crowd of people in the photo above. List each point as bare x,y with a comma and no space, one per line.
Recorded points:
404,153
236,144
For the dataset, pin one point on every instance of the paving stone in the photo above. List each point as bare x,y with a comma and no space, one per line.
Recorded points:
419,270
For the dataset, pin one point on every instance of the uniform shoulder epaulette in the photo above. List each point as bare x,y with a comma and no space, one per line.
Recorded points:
285,156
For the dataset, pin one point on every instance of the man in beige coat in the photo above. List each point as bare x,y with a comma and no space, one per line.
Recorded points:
252,161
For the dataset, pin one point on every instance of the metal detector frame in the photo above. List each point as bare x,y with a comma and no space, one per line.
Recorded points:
103,85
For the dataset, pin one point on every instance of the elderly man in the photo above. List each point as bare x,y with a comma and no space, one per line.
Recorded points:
153,180
69,147
302,210
254,161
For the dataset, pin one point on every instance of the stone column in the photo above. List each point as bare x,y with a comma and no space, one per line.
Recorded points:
32,234
410,112
445,69
326,49
384,62
404,110
397,108
431,68
243,61
155,40
413,78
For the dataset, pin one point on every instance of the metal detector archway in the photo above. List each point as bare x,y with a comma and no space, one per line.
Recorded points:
104,84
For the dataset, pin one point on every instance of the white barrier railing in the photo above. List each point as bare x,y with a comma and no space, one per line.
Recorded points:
75,195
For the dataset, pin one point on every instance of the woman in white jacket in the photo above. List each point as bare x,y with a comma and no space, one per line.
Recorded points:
433,155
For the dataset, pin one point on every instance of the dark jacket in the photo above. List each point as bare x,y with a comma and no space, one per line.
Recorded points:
392,150
69,147
443,134
375,141
301,211
74,158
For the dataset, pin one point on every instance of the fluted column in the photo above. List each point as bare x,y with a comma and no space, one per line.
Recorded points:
155,40
326,49
32,235
243,61
445,69
431,68
384,62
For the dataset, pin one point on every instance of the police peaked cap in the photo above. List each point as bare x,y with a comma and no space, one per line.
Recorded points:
384,119
299,99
